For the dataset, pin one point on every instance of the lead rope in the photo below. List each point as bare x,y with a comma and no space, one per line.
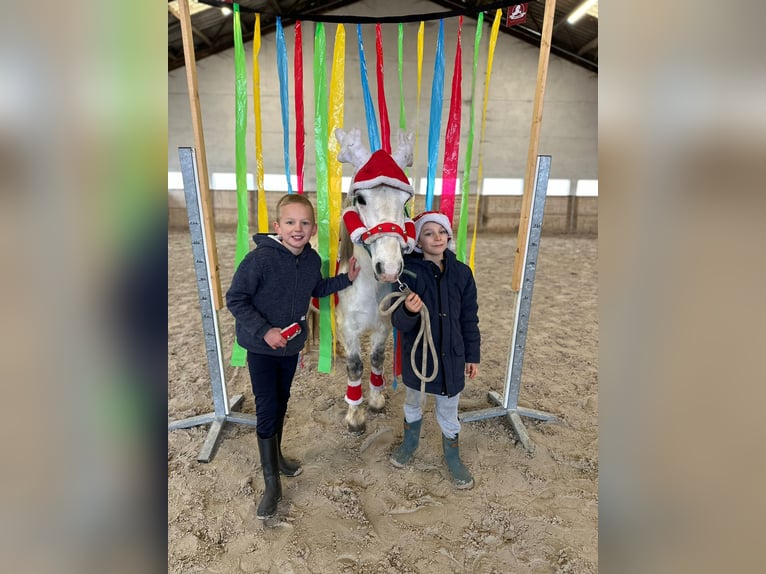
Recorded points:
424,337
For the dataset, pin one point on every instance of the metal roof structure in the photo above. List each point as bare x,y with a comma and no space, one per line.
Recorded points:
211,24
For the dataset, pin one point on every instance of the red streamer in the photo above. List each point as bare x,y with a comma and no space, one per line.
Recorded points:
385,127
452,137
299,129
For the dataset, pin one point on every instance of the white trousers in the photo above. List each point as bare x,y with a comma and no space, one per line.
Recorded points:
446,411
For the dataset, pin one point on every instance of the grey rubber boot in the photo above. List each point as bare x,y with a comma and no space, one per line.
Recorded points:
287,466
461,477
403,453
269,451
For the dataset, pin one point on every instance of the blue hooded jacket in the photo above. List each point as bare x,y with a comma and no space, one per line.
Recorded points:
451,299
273,288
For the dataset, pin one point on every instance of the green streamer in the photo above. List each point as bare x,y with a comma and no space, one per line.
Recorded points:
323,192
238,354
402,116
462,230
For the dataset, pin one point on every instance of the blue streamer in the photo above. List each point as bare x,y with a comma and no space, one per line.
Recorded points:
434,127
396,383
369,110
283,99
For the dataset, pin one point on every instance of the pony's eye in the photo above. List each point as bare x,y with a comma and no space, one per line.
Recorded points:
360,200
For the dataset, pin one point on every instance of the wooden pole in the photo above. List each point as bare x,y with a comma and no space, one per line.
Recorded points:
199,144
534,140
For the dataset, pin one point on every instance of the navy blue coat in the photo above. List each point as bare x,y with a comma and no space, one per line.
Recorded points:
450,297
273,288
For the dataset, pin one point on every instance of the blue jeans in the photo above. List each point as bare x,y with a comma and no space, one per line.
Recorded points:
271,378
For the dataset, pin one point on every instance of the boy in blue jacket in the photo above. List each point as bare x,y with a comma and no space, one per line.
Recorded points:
271,289
448,290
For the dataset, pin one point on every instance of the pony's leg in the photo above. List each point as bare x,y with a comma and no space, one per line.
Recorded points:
378,339
355,416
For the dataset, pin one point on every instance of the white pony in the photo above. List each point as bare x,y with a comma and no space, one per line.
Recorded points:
376,231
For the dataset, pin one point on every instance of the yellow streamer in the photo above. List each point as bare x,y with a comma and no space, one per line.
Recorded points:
335,168
490,57
263,212
421,29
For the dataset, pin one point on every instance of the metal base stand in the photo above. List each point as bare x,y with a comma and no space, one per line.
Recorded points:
514,418
216,426
223,412
509,402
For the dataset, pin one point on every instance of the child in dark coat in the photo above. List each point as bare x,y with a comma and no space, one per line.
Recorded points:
271,289
447,288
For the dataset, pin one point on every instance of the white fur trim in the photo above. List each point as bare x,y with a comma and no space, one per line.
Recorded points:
354,403
356,234
381,180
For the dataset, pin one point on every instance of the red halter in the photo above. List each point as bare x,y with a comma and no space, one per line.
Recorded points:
364,236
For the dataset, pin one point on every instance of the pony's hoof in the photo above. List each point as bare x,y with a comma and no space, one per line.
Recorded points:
376,402
356,422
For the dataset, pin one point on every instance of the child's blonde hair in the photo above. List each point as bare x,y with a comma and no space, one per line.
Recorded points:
297,198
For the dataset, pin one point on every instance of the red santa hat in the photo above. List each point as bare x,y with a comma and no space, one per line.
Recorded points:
437,217
380,169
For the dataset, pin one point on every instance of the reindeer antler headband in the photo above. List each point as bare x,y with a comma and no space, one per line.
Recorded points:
379,168
372,170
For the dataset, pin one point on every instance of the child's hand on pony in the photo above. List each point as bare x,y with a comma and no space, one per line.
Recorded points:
353,268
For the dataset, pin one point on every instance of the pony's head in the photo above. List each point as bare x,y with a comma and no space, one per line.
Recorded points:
378,193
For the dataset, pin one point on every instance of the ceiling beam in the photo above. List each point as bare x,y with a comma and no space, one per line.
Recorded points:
174,11
588,47
529,35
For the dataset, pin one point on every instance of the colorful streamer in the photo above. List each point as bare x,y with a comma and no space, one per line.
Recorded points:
490,57
263,212
385,126
238,354
462,229
421,33
369,111
300,143
335,167
283,98
452,137
323,205
400,62
434,127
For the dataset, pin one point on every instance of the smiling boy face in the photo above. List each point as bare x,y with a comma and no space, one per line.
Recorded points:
433,240
295,226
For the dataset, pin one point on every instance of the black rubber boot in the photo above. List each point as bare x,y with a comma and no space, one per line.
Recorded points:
269,451
461,477
287,466
403,454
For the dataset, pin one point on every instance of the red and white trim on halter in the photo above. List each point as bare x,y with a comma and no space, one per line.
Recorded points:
377,382
362,235
354,392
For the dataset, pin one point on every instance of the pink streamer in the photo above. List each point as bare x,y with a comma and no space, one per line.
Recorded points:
299,128
452,137
385,127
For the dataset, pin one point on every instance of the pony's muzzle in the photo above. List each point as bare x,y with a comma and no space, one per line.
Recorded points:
387,273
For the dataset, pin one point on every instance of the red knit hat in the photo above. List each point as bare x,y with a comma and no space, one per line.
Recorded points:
380,169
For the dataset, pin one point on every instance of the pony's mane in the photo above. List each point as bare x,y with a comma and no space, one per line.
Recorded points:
346,248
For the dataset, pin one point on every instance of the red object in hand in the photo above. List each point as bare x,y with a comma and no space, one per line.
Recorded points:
291,331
